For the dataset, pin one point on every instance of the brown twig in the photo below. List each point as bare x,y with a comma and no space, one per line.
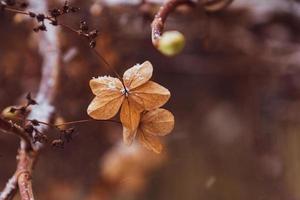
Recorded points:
25,163
160,18
49,50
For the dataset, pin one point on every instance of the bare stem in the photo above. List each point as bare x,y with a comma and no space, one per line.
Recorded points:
50,52
24,169
160,18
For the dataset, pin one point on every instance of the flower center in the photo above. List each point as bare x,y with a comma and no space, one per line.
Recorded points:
125,91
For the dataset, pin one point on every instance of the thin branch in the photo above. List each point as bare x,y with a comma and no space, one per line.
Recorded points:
49,50
25,163
160,18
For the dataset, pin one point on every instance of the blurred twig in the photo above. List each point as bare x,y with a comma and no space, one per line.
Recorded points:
49,50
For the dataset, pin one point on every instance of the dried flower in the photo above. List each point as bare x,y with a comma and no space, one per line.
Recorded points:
135,94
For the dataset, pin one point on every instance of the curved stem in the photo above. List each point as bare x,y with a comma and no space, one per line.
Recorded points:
163,13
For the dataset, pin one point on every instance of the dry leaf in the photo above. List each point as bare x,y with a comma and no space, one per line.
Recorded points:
128,136
105,105
134,95
130,115
105,83
159,122
138,75
150,95
150,142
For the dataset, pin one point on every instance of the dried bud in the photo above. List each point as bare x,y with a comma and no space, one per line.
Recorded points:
42,27
66,7
55,13
68,134
35,122
30,100
54,22
171,43
93,34
40,17
93,44
83,26
32,14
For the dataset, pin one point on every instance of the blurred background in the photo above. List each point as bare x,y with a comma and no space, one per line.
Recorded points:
235,96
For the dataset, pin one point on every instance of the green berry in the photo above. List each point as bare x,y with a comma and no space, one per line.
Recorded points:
171,43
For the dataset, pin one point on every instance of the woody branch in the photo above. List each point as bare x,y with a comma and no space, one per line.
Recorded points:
49,50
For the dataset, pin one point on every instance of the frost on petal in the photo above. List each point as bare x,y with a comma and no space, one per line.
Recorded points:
138,75
105,105
150,95
130,115
152,143
128,136
159,122
104,83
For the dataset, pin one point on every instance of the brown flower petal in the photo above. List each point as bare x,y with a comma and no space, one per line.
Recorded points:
105,105
151,95
159,122
130,115
138,75
150,142
128,135
104,83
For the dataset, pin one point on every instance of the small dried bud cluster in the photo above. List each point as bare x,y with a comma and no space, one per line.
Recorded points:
31,127
23,110
19,114
91,35
57,12
66,136
52,17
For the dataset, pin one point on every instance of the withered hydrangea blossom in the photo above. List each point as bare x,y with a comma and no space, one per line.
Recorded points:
134,95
